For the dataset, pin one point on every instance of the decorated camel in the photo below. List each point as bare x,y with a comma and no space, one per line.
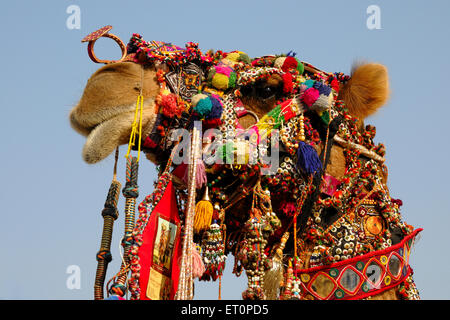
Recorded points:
267,159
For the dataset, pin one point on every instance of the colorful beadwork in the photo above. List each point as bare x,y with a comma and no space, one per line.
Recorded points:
359,277
340,236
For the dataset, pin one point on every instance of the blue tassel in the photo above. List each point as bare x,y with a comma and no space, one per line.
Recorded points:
307,159
291,54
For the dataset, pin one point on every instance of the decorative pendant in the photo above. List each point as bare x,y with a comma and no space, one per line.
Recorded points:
261,225
213,250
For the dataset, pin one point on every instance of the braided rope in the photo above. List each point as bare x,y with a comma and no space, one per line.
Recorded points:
130,192
109,214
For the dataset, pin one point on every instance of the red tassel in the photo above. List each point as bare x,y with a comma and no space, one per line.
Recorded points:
211,123
170,106
287,83
288,208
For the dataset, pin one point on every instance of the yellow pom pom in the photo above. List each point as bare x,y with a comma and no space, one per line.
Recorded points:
234,56
220,81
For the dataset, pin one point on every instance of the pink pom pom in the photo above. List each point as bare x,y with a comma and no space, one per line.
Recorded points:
223,69
310,96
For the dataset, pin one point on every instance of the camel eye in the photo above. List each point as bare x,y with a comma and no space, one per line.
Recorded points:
260,90
265,92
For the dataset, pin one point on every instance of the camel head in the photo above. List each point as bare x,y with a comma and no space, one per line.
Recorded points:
106,110
328,189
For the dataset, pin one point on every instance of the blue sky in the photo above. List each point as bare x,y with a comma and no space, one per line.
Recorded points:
51,200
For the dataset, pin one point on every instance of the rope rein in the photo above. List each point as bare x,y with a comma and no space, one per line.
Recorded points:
110,214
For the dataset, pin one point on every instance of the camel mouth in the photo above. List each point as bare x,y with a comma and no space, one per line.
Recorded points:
86,122
106,129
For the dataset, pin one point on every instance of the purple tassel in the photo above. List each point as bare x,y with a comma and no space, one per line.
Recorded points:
216,110
323,88
307,159
200,175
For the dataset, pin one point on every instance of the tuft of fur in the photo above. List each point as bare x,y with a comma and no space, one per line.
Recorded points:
367,90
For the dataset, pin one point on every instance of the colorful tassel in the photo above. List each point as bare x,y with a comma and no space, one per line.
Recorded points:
287,83
212,123
216,109
274,276
170,107
310,96
207,106
203,213
238,56
198,267
307,159
288,208
200,174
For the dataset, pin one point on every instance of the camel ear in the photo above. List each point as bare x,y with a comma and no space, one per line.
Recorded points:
367,90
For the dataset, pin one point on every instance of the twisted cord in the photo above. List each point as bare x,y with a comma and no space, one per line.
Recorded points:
185,283
104,256
130,192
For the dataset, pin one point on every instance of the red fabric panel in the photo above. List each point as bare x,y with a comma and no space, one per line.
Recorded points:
166,208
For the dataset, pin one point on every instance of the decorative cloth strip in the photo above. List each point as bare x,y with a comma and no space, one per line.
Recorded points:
359,277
